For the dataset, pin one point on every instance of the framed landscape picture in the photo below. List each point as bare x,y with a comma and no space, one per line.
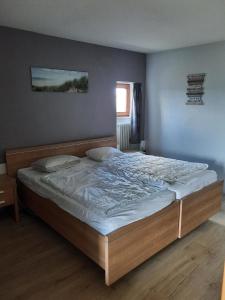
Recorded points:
54,80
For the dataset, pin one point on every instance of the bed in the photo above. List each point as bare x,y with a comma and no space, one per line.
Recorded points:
141,238
95,196
198,189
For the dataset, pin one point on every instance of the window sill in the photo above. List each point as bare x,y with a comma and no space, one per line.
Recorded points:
123,120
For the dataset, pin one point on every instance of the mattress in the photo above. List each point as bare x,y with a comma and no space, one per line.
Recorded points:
193,183
102,223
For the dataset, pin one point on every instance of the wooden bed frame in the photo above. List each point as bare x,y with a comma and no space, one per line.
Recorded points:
198,207
223,286
126,248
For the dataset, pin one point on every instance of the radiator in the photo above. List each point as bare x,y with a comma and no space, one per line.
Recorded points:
123,136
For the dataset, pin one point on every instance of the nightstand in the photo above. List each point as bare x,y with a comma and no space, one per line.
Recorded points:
8,194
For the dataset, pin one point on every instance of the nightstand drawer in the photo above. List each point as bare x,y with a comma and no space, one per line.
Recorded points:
6,197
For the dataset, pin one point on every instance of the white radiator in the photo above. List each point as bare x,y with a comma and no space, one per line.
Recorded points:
123,136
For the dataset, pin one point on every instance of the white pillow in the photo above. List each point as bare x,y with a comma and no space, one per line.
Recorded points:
103,153
55,163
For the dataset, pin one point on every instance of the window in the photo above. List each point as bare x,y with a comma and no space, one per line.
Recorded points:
123,99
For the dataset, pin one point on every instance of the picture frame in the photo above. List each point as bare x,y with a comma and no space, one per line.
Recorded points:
58,80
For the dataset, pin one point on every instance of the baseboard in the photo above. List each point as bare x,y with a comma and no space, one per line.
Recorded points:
2,168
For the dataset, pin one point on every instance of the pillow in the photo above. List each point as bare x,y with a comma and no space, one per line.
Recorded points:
103,153
55,163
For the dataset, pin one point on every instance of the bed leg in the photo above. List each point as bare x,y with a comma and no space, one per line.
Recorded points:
112,271
180,218
107,268
107,280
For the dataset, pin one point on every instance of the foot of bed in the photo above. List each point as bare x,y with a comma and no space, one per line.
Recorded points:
198,207
128,247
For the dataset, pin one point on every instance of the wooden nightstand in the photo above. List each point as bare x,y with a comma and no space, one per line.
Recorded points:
8,194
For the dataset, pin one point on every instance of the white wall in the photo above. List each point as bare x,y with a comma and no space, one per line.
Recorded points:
184,131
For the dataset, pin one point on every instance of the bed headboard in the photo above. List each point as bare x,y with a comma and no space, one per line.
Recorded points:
23,157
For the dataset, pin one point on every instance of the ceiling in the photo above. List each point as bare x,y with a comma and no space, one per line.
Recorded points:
139,25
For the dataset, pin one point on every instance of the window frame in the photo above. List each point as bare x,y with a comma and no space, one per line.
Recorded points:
128,100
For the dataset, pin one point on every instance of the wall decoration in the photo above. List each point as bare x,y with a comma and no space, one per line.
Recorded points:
195,89
53,80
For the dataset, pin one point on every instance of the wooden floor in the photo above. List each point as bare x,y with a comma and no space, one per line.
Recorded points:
36,263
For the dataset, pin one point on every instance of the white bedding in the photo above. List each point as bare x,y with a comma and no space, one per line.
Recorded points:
152,170
192,183
104,201
181,177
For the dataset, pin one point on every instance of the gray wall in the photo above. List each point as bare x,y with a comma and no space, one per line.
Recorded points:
186,131
33,118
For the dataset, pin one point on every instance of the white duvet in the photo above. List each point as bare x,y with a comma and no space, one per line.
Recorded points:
152,170
104,201
97,189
